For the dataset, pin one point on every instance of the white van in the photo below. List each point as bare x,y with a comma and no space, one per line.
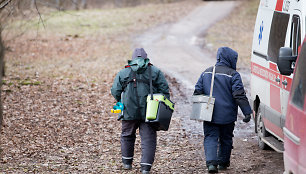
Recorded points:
279,23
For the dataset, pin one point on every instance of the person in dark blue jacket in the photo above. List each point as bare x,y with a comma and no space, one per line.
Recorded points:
229,93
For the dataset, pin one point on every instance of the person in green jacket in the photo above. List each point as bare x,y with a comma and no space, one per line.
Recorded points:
132,86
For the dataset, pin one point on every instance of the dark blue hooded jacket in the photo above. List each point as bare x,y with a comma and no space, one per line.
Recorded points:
228,89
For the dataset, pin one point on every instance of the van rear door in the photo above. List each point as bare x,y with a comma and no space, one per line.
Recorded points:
294,42
294,131
274,114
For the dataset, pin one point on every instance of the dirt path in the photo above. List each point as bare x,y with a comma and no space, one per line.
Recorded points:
175,49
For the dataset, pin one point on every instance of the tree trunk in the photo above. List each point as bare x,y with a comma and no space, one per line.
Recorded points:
75,4
59,4
1,74
84,4
32,4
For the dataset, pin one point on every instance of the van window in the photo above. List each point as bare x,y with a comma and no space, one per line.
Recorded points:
298,89
277,34
295,39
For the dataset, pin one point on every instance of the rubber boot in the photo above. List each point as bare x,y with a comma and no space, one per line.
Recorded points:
127,166
222,167
212,169
145,172
145,169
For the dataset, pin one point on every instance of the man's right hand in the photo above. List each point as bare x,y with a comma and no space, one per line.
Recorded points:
247,118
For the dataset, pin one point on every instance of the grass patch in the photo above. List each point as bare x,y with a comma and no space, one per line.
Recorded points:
239,31
88,22
85,43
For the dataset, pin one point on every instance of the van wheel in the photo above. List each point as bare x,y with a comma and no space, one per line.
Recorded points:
261,131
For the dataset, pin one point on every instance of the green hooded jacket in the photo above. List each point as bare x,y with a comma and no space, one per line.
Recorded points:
135,107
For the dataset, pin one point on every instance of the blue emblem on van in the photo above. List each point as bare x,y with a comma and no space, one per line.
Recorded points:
260,32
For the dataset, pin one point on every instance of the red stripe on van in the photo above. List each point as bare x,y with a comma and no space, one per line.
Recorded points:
275,94
279,5
273,128
273,66
266,74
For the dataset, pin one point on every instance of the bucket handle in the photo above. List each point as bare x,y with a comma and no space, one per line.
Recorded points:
150,79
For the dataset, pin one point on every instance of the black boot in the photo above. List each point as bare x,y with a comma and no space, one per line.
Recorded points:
145,172
212,169
127,164
145,169
223,166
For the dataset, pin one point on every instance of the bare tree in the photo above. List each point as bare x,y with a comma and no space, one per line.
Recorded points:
58,4
1,74
83,4
3,4
79,4
124,3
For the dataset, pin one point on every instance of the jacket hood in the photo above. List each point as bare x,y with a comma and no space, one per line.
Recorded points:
139,60
139,52
227,57
139,64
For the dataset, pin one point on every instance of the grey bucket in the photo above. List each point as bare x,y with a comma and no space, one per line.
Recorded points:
202,107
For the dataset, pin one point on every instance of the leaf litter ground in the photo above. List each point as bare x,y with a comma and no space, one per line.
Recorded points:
56,98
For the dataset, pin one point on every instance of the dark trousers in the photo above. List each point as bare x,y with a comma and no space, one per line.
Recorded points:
218,143
148,142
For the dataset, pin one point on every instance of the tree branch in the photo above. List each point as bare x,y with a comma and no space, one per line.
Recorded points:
40,18
4,3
